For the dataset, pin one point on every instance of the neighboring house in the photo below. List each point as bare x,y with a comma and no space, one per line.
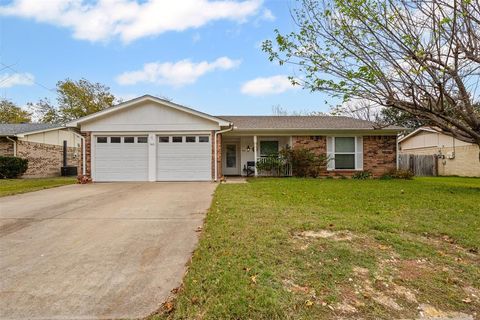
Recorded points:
454,157
42,145
150,139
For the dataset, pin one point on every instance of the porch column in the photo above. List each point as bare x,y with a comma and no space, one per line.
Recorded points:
255,153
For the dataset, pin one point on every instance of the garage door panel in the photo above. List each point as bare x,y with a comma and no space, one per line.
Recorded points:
184,161
121,161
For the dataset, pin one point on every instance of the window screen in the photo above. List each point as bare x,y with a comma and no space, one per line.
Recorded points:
345,153
268,148
344,144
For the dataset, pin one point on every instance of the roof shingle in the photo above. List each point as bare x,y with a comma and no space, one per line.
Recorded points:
302,122
7,129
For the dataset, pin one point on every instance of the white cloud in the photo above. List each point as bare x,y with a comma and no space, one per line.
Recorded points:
129,19
175,73
8,80
265,86
267,15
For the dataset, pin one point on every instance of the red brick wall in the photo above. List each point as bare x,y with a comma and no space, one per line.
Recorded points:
45,160
379,153
219,155
6,147
88,153
317,144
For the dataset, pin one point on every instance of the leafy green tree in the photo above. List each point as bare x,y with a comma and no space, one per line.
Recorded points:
402,118
418,57
45,111
80,98
75,99
11,113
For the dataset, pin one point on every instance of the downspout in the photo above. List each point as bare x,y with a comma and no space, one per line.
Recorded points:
215,147
84,164
14,146
398,156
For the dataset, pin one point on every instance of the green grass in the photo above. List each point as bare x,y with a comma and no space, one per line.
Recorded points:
14,186
253,263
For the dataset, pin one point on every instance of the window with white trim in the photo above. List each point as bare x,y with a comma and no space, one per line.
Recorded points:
268,148
345,153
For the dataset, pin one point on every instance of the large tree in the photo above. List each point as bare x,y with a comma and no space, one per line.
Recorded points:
75,99
11,113
421,57
380,116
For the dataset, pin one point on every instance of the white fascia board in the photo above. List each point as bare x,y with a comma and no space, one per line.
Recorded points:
313,132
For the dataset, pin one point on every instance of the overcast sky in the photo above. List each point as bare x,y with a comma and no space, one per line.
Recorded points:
200,53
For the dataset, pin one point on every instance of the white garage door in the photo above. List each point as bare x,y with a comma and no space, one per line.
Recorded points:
184,158
121,158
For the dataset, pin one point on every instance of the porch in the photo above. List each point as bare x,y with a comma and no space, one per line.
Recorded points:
243,154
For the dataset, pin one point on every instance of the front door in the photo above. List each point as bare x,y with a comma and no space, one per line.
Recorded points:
231,163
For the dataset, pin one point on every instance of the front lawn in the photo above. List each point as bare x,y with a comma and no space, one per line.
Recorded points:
324,249
15,186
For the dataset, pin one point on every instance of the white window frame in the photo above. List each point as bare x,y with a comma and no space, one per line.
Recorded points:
356,153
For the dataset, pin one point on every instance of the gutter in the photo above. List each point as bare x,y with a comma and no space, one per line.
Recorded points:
14,145
230,128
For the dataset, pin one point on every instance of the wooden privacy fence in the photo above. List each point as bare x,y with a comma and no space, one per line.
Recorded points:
420,165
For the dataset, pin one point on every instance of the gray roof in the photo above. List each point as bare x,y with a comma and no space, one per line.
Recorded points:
303,123
12,129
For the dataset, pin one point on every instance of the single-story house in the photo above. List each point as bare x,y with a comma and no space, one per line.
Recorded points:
42,145
150,139
454,157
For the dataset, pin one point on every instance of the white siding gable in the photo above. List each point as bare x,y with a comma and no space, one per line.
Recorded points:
149,116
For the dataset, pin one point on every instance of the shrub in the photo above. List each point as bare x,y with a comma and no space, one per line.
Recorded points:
362,175
398,174
12,167
304,162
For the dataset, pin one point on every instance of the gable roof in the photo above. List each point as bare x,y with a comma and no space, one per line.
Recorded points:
13,129
418,130
304,123
133,102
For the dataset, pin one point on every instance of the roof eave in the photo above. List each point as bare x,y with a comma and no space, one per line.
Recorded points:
392,130
23,134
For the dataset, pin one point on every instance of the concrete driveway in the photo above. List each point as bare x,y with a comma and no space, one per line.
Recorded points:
110,250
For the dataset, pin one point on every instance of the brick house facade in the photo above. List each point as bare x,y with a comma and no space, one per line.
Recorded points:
379,153
173,144
42,146
44,160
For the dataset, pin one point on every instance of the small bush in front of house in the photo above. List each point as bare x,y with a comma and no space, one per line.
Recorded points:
304,162
398,174
362,175
12,167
